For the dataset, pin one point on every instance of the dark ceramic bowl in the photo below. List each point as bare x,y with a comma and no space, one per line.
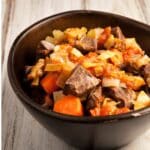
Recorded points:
82,132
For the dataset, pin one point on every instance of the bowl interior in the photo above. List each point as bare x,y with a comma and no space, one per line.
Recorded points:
23,49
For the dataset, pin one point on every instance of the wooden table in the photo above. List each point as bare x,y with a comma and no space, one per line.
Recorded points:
21,131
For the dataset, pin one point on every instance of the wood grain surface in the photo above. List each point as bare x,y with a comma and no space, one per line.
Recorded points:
19,130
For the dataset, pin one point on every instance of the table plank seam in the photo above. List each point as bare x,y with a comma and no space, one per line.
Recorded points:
5,26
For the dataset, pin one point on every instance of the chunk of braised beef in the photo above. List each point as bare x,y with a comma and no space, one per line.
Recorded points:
86,44
80,82
44,48
95,97
131,69
116,31
123,96
48,102
146,74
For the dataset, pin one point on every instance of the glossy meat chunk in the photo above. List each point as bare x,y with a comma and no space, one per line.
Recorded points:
80,82
86,44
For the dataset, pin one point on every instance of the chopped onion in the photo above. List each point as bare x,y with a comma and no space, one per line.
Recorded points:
110,82
47,45
53,67
75,52
58,95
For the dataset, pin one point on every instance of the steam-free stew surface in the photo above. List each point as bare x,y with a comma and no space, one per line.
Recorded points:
90,72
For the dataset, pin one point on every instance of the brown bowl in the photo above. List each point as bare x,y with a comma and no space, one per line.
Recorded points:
82,132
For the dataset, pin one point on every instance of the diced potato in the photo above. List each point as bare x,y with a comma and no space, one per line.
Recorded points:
134,82
106,55
91,33
75,32
87,64
115,56
110,42
54,57
58,95
95,33
63,76
142,61
50,39
61,53
143,100
131,42
63,48
53,67
76,53
110,82
82,32
59,35
117,59
56,48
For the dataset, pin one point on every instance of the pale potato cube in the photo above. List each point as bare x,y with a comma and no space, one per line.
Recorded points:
143,100
59,35
106,54
95,33
110,42
54,57
131,42
87,64
75,32
76,53
50,39
142,61
53,67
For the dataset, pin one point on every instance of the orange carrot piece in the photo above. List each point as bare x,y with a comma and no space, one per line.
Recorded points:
105,111
122,110
95,112
49,83
69,105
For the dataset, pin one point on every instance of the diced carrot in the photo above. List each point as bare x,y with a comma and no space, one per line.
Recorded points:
95,111
105,111
49,82
122,110
104,36
69,105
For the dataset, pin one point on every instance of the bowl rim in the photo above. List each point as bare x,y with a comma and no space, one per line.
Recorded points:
84,119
